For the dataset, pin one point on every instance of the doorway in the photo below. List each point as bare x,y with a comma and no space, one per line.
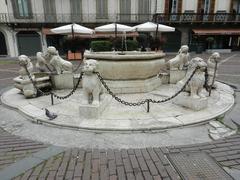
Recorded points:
29,42
3,46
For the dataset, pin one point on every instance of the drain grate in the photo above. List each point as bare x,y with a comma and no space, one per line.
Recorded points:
197,166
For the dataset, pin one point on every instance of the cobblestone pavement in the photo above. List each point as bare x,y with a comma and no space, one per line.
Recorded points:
147,163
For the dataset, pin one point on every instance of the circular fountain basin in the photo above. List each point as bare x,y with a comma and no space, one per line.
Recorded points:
129,72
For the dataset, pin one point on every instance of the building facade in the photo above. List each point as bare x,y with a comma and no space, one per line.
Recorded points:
25,24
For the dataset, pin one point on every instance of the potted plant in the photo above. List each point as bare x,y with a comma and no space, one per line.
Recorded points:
210,41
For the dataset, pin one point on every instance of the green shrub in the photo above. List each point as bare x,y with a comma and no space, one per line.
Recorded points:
101,46
132,45
142,40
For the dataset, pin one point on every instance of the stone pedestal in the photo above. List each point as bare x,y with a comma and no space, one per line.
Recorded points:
196,104
176,75
89,111
165,77
62,81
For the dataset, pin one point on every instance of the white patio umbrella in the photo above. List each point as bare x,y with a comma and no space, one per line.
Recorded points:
72,29
114,27
152,27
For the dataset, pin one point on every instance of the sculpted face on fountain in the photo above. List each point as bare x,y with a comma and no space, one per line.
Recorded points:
184,49
90,66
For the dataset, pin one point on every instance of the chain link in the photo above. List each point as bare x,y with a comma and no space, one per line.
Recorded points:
52,93
117,98
146,100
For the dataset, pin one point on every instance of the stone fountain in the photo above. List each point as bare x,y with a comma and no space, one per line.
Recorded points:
123,91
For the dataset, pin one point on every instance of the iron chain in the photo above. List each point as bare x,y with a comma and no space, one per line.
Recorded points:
52,93
146,100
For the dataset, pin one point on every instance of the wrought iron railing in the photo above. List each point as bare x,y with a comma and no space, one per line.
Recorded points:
123,18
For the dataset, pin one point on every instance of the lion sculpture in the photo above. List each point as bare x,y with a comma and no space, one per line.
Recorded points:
197,82
25,61
26,67
52,58
181,60
41,62
211,63
90,83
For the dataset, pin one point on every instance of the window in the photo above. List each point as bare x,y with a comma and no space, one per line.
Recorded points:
22,8
50,10
238,6
125,10
102,9
206,10
76,10
174,6
206,6
143,10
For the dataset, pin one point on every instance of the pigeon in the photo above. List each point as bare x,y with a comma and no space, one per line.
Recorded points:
50,115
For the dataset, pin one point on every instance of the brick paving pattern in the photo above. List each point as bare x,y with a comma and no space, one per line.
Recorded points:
14,148
147,163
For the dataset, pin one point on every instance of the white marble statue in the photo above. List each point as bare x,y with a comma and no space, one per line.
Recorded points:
59,64
196,84
211,63
181,60
90,83
28,89
41,62
23,61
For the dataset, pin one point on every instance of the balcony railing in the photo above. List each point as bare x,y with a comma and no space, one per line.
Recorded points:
124,18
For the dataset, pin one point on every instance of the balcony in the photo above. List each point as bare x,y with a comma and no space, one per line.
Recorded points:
124,18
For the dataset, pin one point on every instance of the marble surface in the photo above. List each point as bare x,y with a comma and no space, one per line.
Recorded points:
119,117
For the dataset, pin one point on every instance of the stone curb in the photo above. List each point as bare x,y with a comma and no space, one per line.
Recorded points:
27,163
234,86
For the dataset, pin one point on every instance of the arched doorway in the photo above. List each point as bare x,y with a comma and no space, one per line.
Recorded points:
3,46
28,42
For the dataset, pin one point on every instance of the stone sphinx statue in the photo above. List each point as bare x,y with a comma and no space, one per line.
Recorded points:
195,85
181,60
25,61
211,64
52,58
90,83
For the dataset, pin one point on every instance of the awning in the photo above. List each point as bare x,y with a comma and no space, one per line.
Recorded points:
217,31
47,31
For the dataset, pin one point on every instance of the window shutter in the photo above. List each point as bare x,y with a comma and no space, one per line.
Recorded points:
15,8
